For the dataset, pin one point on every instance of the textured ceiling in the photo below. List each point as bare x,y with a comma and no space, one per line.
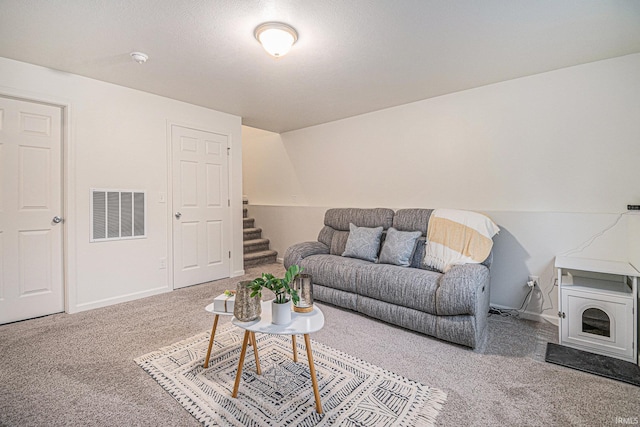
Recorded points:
352,56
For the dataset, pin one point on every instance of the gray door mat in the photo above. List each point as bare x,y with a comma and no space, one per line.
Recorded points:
604,366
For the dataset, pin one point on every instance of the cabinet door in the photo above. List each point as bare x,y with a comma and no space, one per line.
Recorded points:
598,323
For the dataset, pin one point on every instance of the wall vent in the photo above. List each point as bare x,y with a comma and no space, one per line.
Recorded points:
117,214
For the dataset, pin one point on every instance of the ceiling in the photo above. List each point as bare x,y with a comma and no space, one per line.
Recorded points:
352,56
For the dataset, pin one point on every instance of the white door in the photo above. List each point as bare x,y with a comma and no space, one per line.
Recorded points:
31,281
201,212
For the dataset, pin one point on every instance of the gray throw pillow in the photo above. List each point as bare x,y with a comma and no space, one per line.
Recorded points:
398,247
363,243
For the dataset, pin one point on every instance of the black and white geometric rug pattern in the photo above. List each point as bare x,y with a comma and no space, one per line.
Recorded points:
352,392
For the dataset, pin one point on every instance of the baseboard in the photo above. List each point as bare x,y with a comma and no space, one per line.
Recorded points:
539,317
551,319
237,273
528,315
117,300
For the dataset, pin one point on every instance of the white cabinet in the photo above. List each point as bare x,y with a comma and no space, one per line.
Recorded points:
598,302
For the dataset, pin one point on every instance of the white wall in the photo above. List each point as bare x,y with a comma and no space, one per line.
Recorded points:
634,239
117,137
551,158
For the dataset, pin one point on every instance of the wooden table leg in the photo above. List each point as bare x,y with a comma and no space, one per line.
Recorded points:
295,348
213,334
312,369
254,343
240,363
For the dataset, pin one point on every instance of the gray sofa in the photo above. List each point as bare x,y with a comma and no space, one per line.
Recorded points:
453,306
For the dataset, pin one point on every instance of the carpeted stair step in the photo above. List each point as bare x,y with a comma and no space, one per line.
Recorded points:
251,233
256,245
258,258
248,222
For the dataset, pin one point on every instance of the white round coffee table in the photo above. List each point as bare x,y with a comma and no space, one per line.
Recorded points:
301,324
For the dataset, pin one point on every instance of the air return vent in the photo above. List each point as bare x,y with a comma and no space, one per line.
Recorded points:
117,214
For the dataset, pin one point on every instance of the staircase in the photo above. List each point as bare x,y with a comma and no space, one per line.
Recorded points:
256,249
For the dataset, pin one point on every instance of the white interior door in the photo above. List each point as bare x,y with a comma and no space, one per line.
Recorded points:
31,278
201,212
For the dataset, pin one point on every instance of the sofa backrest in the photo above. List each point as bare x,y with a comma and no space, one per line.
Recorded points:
335,232
339,219
412,220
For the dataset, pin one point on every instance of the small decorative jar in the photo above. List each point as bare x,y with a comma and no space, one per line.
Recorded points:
302,284
246,307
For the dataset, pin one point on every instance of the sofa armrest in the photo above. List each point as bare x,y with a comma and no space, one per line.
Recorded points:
296,253
463,290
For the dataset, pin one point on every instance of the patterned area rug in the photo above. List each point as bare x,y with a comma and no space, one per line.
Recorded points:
353,392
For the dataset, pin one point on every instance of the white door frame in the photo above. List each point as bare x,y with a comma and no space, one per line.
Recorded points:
67,158
169,199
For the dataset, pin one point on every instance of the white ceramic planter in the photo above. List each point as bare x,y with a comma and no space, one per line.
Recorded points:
281,313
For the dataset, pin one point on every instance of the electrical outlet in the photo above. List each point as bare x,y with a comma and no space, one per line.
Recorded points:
163,263
534,280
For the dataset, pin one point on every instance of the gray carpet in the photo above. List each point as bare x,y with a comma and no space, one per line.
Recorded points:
79,370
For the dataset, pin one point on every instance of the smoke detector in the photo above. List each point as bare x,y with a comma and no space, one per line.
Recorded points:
139,57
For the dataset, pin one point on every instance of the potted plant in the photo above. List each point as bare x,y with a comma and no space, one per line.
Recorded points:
281,305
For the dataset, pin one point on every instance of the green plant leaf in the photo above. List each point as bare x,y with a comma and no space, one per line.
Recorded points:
280,287
291,273
294,296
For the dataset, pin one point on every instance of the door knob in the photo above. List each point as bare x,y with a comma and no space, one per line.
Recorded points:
178,215
57,219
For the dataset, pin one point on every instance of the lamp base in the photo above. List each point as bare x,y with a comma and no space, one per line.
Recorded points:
302,309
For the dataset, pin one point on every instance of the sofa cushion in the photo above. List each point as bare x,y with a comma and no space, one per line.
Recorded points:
326,235
333,271
398,247
412,220
408,287
363,243
338,242
340,218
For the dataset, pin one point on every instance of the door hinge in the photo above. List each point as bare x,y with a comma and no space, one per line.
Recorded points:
228,151
229,254
561,314
229,202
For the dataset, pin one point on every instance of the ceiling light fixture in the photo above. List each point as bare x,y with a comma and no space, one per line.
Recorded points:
276,38
139,57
